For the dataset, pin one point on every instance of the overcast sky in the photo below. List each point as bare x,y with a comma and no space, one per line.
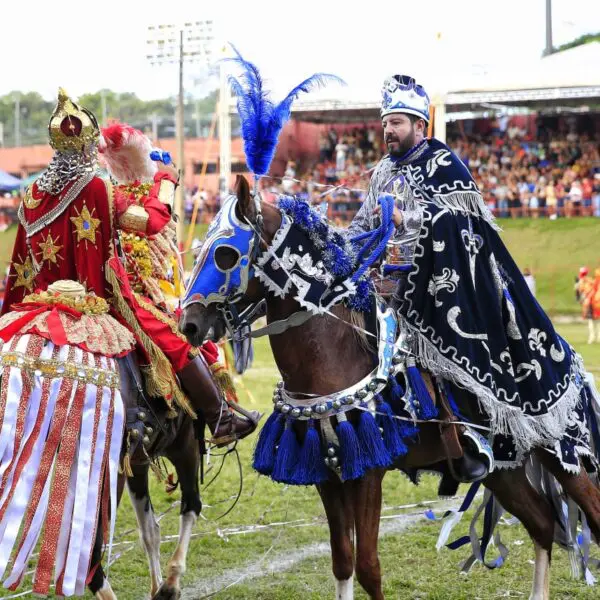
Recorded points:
85,46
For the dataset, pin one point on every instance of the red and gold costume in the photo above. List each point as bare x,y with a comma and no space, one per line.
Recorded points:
61,408
93,276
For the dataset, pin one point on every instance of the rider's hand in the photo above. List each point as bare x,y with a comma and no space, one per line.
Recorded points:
169,169
396,215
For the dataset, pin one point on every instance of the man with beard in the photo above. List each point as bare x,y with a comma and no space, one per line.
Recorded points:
404,129
466,315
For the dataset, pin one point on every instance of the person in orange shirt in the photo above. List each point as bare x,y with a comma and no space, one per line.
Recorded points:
586,290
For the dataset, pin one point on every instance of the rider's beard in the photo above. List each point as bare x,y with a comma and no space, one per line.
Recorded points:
398,147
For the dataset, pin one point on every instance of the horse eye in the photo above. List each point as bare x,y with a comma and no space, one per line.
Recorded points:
226,257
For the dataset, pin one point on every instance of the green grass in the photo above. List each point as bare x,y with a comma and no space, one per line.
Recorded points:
411,566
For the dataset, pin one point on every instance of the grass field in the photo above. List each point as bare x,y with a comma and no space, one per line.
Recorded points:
247,549
272,522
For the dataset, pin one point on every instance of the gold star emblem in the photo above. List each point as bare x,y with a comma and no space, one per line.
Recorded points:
25,274
86,225
49,249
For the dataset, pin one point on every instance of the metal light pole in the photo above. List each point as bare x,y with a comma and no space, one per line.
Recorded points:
17,120
549,49
224,134
189,42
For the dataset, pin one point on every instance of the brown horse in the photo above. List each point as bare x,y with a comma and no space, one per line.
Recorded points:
321,357
176,440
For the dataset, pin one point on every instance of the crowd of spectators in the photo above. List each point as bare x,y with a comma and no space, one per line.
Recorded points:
548,173
522,170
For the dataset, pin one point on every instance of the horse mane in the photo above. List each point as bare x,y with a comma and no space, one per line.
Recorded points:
357,319
339,254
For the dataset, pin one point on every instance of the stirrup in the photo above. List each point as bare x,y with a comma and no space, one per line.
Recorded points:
233,436
236,407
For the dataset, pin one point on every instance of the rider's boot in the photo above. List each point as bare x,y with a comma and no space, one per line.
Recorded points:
225,426
477,460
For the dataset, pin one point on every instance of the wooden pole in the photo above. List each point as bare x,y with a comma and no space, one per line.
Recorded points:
211,135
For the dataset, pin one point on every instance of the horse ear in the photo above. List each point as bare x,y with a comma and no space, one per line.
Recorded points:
245,200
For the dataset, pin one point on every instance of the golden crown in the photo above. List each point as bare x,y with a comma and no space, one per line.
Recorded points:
71,126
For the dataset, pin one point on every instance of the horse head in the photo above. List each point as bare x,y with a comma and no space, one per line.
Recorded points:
223,273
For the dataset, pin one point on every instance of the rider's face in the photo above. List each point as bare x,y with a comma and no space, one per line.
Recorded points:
400,133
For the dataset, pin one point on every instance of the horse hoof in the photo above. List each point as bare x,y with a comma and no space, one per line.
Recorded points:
167,592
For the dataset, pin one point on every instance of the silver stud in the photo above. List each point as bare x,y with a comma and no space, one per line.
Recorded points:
334,462
397,359
296,412
349,400
285,409
148,430
321,409
141,415
327,461
331,451
361,394
373,385
279,404
337,404
307,412
145,440
280,385
134,433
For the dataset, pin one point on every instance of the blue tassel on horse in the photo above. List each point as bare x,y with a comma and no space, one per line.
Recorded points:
374,450
426,408
286,459
350,452
391,431
311,467
264,453
395,396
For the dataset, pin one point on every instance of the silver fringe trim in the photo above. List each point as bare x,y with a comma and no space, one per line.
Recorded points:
528,432
467,203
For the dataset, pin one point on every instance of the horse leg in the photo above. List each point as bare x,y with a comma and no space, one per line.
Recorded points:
366,496
97,582
517,496
139,493
339,510
185,456
579,487
541,574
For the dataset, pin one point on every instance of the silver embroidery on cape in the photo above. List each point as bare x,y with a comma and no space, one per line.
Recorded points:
452,317
448,280
536,338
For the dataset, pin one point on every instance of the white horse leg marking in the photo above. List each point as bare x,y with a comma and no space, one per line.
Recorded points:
344,589
541,575
150,536
177,564
105,592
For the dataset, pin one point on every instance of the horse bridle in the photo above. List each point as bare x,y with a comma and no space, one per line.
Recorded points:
239,323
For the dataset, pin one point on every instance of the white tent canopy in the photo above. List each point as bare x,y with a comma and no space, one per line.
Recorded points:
572,75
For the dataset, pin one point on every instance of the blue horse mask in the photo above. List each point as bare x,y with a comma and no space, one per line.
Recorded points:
210,283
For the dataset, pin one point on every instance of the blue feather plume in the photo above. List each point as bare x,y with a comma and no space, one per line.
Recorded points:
262,119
